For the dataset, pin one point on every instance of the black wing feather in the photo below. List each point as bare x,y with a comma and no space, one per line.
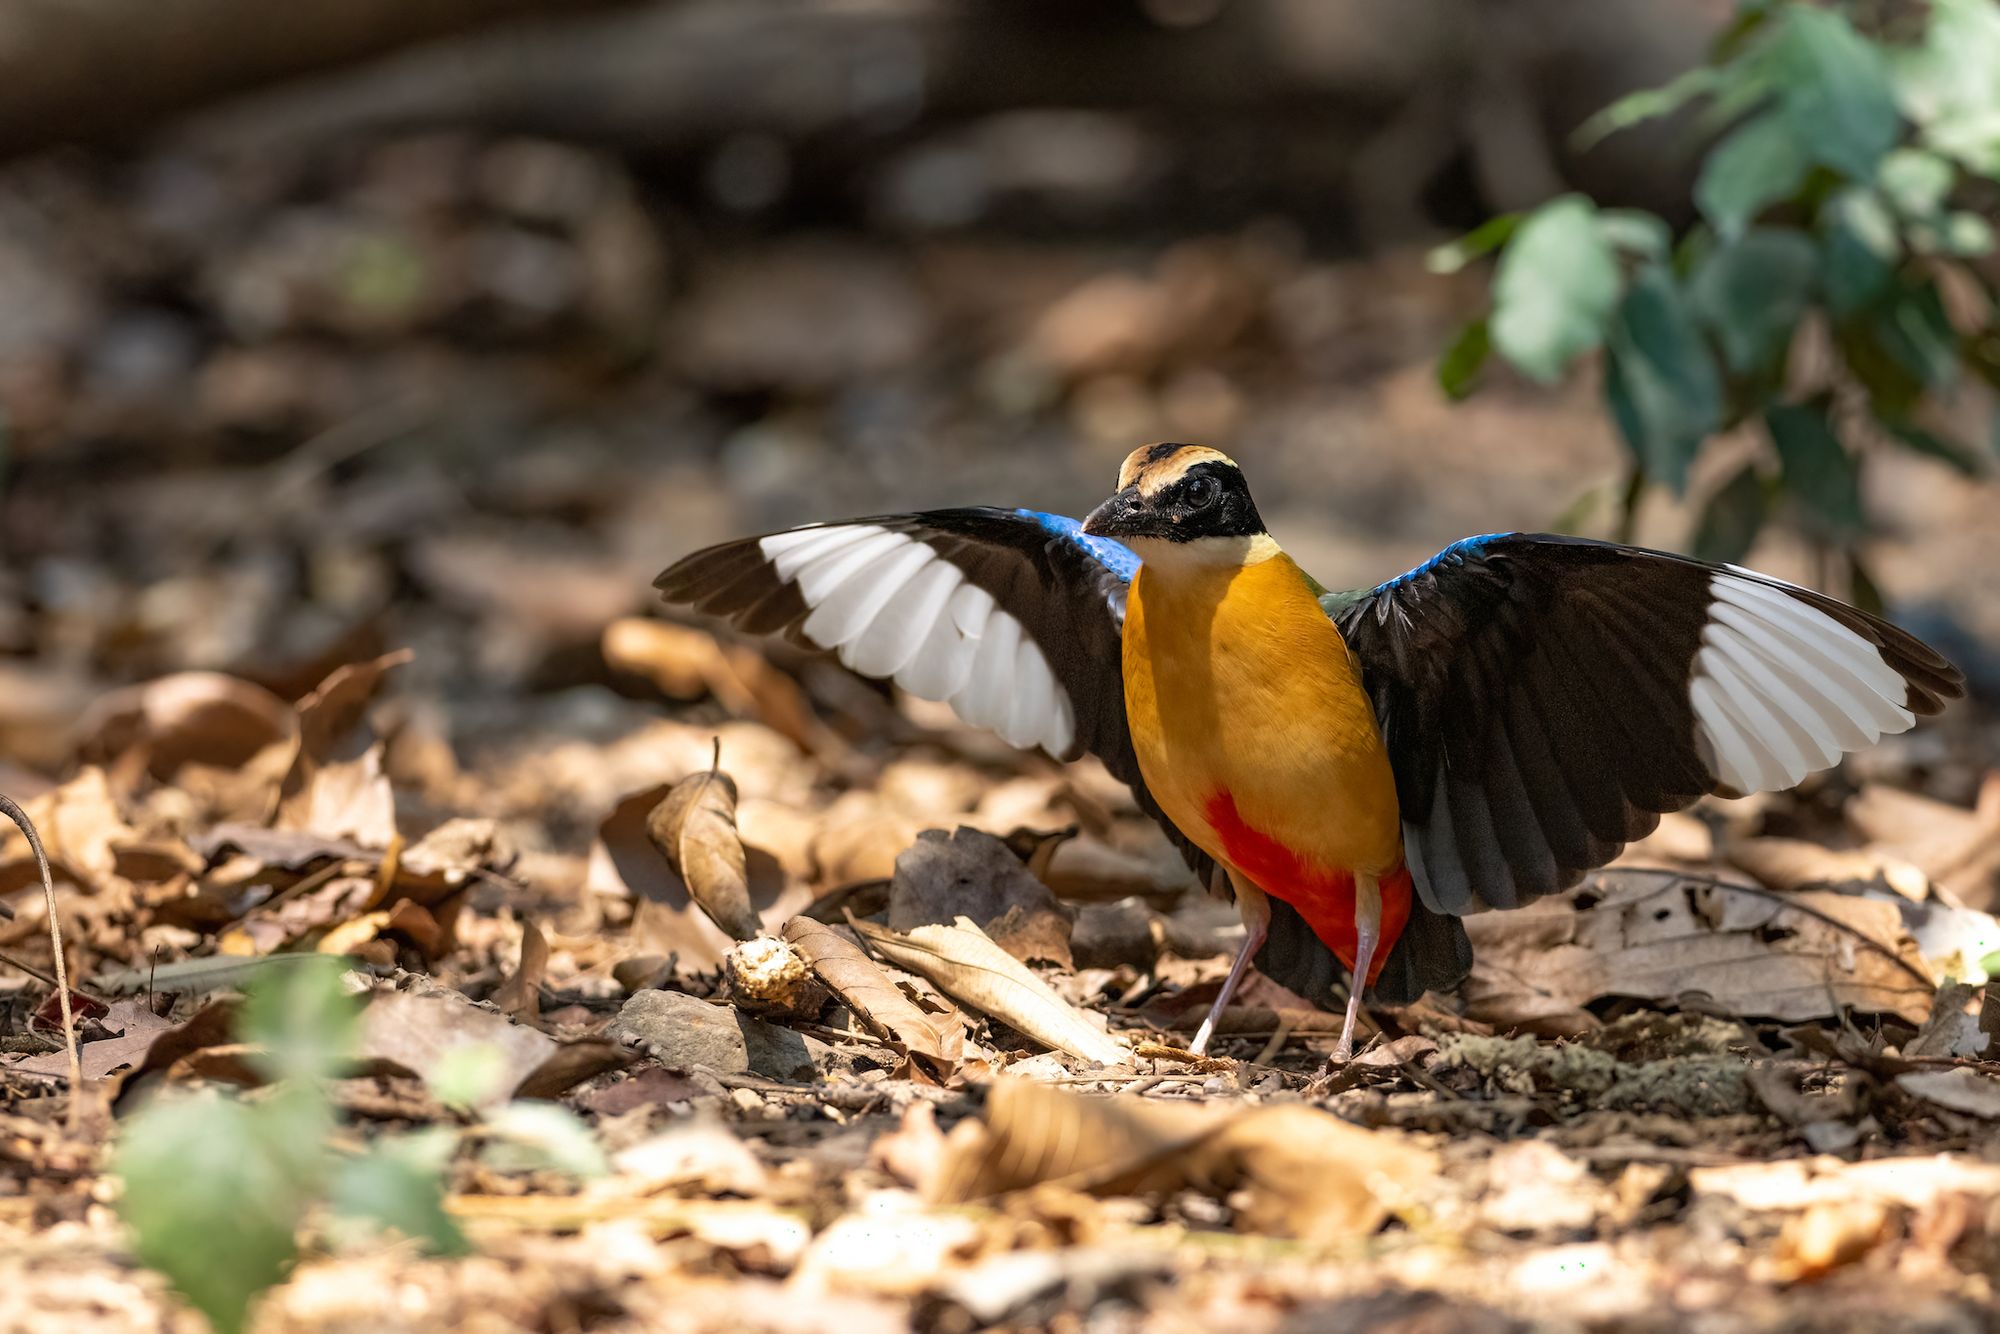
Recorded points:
1534,695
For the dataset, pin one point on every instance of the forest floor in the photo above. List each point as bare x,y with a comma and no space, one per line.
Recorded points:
336,490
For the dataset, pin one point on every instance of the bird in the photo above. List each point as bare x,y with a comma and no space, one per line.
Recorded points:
1359,769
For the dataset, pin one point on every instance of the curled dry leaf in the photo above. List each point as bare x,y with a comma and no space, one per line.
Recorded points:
666,920
1749,951
204,718
694,828
967,966
938,1040
1302,1172
329,790
521,994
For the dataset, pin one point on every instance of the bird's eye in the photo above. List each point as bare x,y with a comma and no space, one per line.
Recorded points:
1203,491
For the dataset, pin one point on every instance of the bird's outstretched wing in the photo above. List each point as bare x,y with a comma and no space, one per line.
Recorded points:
1013,617
1545,699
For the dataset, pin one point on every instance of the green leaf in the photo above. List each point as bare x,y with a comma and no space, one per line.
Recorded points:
1915,181
1947,84
469,1075
1732,518
1752,293
1636,231
1917,333
1556,286
1760,162
303,1019
1660,379
1834,89
1967,235
399,1185
532,1136
213,1200
1818,470
1860,249
1948,452
1486,237
1644,105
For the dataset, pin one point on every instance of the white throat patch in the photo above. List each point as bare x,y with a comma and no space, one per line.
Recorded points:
1204,553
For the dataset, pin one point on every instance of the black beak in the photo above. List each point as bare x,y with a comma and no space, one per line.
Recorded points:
1124,515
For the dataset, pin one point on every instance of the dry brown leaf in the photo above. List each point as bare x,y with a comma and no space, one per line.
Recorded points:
521,994
964,964
346,799
413,1032
336,706
666,921
694,827
1303,1172
680,660
82,829
136,1028
1786,864
859,838
1748,951
1827,1236
1801,1183
1959,849
1957,1090
205,718
357,797
968,873
451,856
938,1040
1087,870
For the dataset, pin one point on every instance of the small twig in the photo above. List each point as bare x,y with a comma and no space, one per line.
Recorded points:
24,966
12,810
1276,1044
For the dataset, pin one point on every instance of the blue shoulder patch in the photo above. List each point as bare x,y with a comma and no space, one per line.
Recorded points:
1457,551
1116,557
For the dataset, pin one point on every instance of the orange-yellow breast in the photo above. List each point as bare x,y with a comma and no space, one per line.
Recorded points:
1254,734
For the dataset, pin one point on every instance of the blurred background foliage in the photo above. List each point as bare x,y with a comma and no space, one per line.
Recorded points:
449,324
1834,290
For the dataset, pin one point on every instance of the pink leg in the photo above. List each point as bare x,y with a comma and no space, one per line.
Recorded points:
1256,911
1367,935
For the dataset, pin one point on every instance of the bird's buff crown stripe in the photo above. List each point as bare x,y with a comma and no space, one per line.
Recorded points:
1158,466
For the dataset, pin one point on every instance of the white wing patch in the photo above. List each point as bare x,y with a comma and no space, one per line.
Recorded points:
1781,689
892,607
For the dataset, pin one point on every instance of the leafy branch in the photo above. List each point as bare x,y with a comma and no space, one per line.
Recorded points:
1832,293
215,1188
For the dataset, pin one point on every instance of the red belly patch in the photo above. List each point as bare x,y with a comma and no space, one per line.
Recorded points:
1325,898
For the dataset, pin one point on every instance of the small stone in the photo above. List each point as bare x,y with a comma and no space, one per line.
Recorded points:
768,977
689,1034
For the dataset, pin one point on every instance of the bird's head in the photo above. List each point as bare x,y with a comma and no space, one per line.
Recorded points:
1180,500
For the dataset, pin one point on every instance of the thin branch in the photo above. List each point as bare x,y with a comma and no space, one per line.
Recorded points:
12,810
